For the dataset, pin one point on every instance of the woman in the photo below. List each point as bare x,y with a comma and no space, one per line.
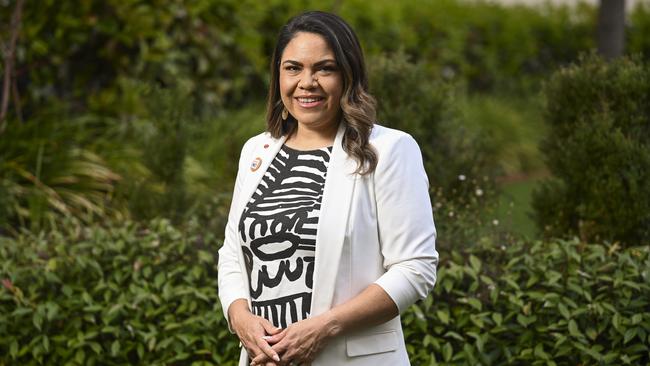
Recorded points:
330,233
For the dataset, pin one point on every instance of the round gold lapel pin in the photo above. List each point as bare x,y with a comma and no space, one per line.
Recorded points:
256,164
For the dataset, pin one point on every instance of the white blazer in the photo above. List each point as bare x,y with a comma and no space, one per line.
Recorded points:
373,229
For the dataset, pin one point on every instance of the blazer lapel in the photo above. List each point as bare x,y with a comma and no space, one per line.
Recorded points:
261,157
332,224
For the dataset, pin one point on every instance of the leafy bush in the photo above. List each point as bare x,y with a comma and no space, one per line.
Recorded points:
134,294
490,46
48,171
545,303
598,149
220,49
117,296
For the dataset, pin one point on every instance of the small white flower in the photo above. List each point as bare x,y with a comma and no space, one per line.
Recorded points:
462,177
438,204
479,192
503,247
495,222
448,72
451,214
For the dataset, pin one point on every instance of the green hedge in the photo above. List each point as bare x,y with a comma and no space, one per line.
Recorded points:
85,54
131,294
598,149
118,296
544,303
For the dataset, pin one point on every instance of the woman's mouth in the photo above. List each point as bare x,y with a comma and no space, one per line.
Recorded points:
310,102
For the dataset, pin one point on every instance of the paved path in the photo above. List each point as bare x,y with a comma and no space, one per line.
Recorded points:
629,4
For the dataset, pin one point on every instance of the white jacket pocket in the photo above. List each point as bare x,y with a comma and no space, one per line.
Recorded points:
371,343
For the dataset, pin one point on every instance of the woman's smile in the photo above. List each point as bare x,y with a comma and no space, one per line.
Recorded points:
310,101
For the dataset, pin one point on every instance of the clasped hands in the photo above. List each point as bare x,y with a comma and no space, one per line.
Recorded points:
298,344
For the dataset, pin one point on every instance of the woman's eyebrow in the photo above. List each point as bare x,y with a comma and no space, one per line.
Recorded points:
319,63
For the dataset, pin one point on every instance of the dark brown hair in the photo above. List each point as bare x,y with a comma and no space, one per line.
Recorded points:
357,105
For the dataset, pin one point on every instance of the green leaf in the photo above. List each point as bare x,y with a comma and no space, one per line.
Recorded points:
629,334
96,347
475,303
592,333
539,352
564,311
80,356
475,263
46,343
37,320
498,318
443,316
115,348
574,330
616,321
13,349
447,351
526,320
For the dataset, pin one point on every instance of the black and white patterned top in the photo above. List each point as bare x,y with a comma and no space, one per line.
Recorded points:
278,229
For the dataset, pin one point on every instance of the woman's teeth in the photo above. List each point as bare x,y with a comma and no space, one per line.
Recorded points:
308,100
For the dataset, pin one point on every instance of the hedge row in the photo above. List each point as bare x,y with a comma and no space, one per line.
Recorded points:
84,54
542,303
131,294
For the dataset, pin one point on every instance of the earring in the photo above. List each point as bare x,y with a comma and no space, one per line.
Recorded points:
285,113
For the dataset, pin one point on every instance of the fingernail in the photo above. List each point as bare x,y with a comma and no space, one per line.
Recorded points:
266,337
276,358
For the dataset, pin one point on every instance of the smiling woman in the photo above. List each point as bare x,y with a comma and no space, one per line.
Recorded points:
330,233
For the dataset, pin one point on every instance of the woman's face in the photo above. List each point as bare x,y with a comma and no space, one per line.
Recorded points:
311,84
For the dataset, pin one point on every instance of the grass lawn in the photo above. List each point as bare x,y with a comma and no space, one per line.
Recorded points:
514,207
513,125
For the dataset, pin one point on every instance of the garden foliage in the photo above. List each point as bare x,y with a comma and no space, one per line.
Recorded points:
598,149
85,54
458,162
135,294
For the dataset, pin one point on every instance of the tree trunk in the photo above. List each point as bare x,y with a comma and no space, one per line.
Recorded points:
611,28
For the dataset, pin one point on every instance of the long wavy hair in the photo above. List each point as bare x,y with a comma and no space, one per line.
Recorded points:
358,107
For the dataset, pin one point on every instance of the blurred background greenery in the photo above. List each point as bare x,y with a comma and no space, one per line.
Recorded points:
125,119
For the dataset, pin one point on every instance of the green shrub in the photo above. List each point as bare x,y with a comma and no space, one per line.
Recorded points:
48,170
120,296
147,295
598,149
545,303
82,54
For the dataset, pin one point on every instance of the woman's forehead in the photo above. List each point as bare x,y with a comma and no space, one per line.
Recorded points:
308,47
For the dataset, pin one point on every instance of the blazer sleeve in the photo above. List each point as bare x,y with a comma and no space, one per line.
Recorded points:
407,233
232,283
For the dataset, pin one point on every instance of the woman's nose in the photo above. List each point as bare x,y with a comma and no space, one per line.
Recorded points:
308,81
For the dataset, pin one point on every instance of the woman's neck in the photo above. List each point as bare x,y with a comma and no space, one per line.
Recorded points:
304,138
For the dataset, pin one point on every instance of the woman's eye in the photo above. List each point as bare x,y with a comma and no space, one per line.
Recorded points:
291,68
328,69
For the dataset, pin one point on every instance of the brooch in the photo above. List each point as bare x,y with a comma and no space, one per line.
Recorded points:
256,164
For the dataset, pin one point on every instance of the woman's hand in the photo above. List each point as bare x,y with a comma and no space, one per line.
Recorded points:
253,331
301,342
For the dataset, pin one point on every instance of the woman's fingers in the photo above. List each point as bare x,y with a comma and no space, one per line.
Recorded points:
269,328
276,337
267,350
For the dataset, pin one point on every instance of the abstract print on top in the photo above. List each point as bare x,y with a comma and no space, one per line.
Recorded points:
278,229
